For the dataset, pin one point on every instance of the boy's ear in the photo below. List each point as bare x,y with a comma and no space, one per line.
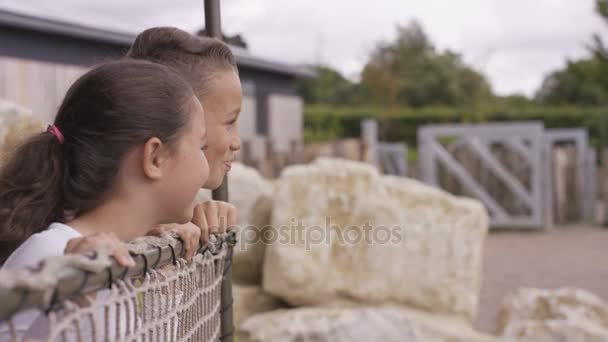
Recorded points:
155,156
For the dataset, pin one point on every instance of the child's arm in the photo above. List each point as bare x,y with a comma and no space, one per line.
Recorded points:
209,217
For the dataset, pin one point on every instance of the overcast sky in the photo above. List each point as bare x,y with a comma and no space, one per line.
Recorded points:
513,42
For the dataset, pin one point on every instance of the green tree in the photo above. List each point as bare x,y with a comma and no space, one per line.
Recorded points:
328,87
599,49
513,101
582,82
409,71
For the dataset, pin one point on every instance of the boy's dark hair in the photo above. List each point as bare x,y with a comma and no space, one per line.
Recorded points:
105,113
197,59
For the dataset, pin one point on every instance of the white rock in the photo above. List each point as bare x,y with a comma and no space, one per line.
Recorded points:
251,194
250,300
385,324
566,314
423,247
16,128
203,195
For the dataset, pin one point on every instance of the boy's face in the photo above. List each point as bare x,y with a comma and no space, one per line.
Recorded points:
222,105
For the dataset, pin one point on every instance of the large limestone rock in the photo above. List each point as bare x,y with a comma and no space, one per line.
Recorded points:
359,324
250,300
344,233
251,194
566,314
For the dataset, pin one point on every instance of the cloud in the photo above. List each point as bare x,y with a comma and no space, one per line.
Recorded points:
515,43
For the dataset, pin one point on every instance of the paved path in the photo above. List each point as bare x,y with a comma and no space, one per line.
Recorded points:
566,256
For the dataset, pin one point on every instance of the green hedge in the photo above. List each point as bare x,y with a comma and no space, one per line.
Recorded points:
322,123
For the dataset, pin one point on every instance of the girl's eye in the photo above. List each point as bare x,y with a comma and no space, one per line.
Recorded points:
204,148
232,122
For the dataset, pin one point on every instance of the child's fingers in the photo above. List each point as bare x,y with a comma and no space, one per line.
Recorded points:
200,220
222,218
71,246
227,216
190,234
187,247
157,230
184,235
122,256
116,248
195,237
231,217
191,237
101,242
211,212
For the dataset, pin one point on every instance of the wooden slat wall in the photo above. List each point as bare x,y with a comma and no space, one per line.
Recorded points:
37,86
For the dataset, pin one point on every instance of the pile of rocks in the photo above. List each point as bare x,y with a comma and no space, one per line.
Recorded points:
334,251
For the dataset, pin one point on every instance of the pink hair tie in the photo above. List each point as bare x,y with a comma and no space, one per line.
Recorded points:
56,132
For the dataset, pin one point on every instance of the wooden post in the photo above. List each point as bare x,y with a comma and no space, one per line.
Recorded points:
369,132
604,186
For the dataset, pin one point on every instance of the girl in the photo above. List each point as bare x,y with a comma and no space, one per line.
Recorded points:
124,155
209,66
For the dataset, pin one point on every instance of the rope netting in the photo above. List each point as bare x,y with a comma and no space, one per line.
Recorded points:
91,298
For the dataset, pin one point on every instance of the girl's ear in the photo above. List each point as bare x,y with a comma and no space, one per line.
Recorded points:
155,156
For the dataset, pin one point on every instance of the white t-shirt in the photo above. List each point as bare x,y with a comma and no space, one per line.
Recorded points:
50,242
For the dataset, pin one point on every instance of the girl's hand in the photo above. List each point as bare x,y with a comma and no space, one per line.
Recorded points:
214,217
101,242
209,217
189,233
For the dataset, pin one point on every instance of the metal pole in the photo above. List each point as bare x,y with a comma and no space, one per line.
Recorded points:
213,27
213,22
226,300
221,193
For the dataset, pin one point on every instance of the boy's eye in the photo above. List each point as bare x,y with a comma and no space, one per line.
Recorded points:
205,147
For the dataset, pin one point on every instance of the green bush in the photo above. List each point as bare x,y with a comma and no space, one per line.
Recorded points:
322,123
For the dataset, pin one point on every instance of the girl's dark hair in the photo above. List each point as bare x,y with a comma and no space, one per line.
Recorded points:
105,113
197,59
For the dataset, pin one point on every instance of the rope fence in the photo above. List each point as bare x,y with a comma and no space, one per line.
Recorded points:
92,298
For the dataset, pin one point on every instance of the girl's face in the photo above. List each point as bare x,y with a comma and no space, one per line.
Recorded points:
222,102
188,170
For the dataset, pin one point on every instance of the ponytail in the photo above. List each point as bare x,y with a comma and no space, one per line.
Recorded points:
30,191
